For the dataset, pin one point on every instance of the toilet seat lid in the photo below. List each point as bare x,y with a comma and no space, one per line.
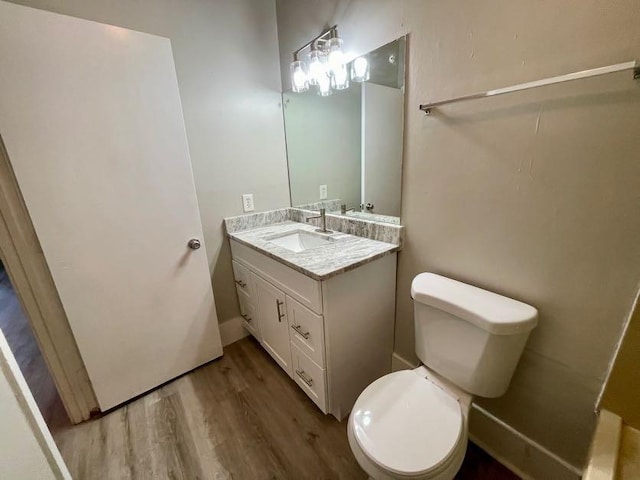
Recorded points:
406,424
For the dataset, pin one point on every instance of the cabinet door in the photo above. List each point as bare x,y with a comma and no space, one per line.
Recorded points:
271,307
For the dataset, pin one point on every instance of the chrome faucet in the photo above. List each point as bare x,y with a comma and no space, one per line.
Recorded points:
344,209
323,221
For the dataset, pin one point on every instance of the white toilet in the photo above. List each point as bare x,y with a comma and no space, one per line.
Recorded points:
412,424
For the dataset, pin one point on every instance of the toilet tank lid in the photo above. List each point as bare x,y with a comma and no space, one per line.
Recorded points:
489,311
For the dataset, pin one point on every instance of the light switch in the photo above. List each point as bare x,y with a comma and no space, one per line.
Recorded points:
323,192
247,202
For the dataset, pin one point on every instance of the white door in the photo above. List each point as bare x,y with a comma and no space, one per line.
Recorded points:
92,121
272,309
382,110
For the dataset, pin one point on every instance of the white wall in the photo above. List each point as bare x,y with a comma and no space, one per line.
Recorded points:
323,145
532,195
226,56
27,449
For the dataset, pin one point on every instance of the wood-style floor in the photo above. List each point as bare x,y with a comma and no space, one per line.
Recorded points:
239,417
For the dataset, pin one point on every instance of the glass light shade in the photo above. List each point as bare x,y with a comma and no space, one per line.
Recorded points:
324,85
340,78
360,70
335,55
299,80
316,66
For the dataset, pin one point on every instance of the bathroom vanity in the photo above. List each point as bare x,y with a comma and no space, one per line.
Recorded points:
322,306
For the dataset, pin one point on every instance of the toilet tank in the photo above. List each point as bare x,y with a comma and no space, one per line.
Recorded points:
470,336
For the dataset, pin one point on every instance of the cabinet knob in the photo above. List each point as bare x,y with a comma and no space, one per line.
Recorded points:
194,244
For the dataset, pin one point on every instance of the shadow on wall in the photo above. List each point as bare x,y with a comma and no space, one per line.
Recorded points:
224,290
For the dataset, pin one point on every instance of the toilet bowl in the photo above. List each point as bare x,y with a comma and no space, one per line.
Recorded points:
413,424
409,425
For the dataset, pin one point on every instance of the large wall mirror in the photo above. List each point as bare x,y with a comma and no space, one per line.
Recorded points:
345,149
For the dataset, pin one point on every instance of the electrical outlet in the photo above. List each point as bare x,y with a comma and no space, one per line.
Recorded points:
247,202
323,192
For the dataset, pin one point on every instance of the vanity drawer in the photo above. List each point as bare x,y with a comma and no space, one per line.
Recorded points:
309,377
305,290
242,278
249,314
306,330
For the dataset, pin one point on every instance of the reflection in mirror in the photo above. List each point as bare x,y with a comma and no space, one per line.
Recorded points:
347,147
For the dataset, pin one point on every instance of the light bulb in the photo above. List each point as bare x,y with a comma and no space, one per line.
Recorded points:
299,80
316,66
335,56
360,70
340,78
324,85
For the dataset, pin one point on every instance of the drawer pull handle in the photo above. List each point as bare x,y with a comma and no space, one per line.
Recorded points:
280,315
298,329
246,317
305,379
241,283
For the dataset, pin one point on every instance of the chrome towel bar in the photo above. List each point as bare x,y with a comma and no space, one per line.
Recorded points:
618,67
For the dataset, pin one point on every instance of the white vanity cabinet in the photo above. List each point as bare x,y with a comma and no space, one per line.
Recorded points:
334,336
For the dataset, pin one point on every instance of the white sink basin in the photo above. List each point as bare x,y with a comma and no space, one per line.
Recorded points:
301,240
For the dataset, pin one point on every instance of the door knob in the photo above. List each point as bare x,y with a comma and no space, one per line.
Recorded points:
194,244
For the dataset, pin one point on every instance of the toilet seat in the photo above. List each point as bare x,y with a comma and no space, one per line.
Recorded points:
407,425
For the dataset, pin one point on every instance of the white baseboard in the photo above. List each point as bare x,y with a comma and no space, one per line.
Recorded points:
517,452
232,330
401,363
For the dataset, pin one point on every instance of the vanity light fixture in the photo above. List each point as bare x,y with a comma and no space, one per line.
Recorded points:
317,67
335,55
360,70
299,79
340,78
324,66
324,85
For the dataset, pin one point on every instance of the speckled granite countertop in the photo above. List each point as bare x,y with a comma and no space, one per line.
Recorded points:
345,252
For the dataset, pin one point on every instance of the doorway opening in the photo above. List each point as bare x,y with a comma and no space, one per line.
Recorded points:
17,331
